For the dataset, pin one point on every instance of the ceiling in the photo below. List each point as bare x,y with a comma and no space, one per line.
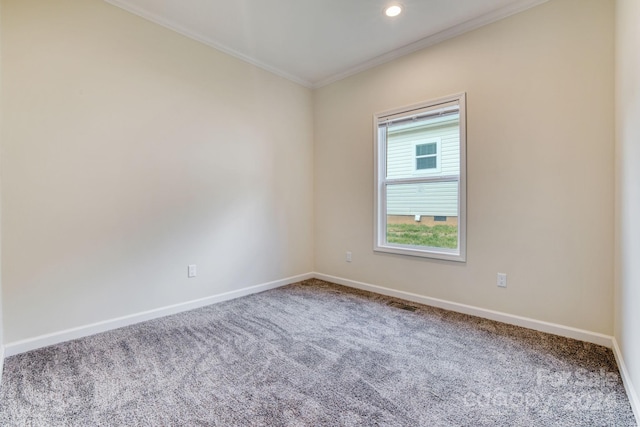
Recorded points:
316,42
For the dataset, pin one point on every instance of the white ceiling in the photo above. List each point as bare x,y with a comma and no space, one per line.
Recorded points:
316,42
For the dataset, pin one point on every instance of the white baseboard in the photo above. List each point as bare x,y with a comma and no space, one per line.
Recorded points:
1,362
29,344
626,380
538,325
552,328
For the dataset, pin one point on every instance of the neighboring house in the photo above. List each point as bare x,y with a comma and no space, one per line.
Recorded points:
421,149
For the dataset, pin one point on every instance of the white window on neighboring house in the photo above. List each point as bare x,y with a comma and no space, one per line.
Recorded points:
427,156
420,178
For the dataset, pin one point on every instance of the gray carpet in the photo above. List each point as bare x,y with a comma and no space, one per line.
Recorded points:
315,354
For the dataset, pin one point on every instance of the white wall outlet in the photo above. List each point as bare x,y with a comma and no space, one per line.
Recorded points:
348,257
502,280
191,270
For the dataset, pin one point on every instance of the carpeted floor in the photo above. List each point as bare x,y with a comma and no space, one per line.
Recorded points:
316,354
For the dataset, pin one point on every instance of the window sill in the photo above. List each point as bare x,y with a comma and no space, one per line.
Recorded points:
423,252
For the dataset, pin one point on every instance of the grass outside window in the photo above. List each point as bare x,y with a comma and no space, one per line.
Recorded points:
436,236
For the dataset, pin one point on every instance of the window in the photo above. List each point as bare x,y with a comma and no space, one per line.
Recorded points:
426,156
420,173
426,152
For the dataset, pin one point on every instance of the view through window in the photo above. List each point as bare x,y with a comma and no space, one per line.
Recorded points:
420,180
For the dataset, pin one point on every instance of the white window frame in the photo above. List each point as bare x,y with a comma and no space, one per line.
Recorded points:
381,181
438,157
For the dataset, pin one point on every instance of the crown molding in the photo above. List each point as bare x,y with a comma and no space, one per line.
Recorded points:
431,40
123,4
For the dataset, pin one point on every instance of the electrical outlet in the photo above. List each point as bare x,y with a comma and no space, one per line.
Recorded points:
502,280
348,258
191,271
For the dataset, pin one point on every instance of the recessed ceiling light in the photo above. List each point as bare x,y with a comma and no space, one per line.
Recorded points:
393,10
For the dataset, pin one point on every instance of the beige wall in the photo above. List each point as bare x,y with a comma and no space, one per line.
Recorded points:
627,328
129,152
540,148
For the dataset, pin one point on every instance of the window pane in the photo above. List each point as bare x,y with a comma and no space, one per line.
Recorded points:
406,141
420,180
426,149
414,214
426,163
